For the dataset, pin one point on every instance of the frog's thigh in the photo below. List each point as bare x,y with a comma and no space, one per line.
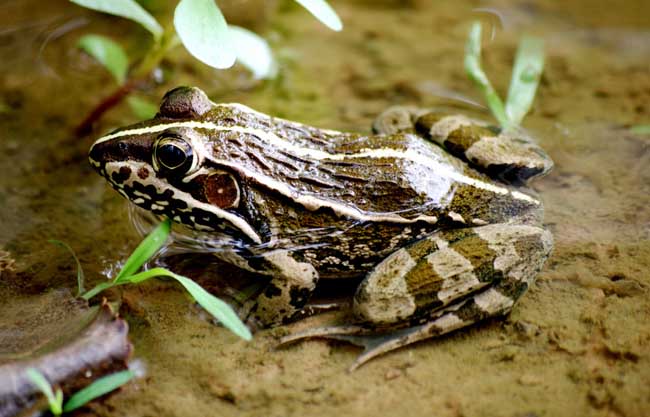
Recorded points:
290,288
479,271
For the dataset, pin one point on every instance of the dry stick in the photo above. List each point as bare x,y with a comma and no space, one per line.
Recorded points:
86,126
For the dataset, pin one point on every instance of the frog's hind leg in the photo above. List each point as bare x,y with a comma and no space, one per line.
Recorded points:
444,282
511,156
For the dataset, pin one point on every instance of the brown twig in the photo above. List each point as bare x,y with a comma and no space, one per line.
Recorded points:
86,126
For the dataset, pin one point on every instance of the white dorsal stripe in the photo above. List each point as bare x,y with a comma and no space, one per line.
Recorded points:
317,154
313,203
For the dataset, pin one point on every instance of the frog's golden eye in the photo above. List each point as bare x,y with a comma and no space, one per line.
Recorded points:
173,154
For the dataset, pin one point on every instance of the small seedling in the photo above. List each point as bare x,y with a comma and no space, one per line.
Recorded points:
54,397
80,272
145,250
200,27
526,73
99,387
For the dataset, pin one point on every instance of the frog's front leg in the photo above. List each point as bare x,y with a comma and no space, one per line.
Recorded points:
511,156
442,283
290,288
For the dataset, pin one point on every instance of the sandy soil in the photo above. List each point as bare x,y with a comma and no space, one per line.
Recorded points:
578,343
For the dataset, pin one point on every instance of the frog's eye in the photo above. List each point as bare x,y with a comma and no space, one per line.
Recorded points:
173,154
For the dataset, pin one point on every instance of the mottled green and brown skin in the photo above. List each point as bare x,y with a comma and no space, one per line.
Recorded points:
425,209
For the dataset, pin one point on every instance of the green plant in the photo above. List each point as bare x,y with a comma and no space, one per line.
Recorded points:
526,73
145,250
200,27
99,387
80,272
640,129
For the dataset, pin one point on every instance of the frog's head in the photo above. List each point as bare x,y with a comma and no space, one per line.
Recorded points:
162,165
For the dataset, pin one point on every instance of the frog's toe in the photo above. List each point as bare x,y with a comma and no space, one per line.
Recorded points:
374,344
316,309
396,119
330,332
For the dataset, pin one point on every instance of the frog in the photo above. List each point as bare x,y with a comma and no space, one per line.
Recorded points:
430,213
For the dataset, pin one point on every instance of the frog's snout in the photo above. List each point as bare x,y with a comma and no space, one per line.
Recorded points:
97,154
121,149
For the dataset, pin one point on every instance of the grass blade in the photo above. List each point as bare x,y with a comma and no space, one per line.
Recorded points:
323,12
110,54
80,271
145,250
529,64
476,74
253,52
217,308
102,386
128,9
97,289
54,400
204,32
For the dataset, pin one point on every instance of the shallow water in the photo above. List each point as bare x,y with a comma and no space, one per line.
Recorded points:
577,343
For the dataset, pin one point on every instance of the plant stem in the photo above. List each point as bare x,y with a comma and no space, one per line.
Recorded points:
86,126
140,76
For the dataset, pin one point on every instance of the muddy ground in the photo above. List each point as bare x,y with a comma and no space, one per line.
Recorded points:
578,343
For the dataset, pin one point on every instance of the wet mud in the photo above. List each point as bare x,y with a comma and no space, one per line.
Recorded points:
578,343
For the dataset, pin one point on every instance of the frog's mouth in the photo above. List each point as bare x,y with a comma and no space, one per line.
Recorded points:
134,177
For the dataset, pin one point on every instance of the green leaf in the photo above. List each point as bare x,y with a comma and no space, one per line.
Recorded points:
529,64
102,386
323,12
143,109
476,74
80,271
145,250
97,289
640,129
128,9
253,52
108,53
55,401
217,308
204,32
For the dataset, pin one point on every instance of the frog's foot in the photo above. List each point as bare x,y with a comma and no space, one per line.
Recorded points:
444,282
397,119
376,344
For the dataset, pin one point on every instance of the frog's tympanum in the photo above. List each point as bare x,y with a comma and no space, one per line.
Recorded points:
431,210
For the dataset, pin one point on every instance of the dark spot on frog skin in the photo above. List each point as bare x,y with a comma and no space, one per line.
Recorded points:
512,173
272,291
121,176
299,296
143,173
